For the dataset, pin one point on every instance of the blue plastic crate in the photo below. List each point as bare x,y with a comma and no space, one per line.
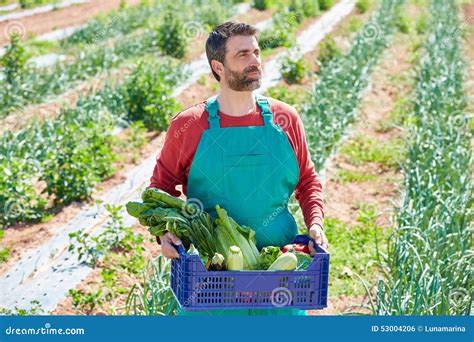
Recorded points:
197,289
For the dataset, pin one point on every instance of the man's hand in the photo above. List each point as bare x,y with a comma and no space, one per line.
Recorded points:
316,232
167,248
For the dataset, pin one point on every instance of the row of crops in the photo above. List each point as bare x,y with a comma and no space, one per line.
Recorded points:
428,266
29,3
61,160
70,154
333,103
26,84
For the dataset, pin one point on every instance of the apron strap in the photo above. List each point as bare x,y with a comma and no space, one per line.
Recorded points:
265,107
212,107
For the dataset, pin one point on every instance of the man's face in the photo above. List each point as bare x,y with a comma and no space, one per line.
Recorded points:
242,64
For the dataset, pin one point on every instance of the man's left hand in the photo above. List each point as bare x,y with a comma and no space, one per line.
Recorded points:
316,232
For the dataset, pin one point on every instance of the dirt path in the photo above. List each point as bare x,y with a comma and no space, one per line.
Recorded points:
61,18
468,22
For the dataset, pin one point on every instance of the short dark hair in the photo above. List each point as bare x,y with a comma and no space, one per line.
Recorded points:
216,42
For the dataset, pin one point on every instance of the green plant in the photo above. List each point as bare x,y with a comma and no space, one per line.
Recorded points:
261,5
74,167
171,35
14,60
135,137
366,149
429,254
84,63
402,22
303,9
148,97
115,237
352,252
296,7
4,251
83,137
362,5
354,24
294,97
294,68
153,296
332,105
213,12
421,25
35,309
32,3
281,33
325,4
328,50
349,176
86,302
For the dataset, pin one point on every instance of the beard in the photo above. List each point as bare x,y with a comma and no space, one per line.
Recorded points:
241,81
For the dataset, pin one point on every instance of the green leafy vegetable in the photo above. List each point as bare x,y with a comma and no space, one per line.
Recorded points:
303,261
229,233
268,255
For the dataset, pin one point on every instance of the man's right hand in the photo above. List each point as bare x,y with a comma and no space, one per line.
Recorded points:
167,248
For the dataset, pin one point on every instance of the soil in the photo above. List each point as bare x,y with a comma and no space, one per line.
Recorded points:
61,18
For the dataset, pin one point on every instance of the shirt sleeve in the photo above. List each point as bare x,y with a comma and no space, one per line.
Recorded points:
169,170
309,190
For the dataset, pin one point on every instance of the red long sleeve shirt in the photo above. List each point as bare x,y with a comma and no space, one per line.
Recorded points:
174,160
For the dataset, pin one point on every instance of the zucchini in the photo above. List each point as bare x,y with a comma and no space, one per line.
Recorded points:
285,262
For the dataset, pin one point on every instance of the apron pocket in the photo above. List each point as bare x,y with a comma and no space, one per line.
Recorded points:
243,178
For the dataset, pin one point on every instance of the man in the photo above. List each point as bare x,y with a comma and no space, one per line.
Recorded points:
229,150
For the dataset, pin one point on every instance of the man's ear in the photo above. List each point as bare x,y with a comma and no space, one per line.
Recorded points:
218,67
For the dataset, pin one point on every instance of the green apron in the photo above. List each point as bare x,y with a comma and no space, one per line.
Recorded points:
251,171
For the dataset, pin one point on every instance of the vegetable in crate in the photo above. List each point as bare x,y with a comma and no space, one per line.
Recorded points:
230,233
268,255
296,247
235,262
285,262
163,213
217,263
303,261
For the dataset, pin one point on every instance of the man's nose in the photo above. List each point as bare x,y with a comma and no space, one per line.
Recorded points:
255,61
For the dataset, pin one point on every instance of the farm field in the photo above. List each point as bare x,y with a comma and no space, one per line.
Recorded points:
384,89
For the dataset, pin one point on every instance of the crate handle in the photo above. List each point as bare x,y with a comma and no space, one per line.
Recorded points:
180,249
305,239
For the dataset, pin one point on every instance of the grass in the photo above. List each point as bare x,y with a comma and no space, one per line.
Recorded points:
4,251
352,251
362,149
350,176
